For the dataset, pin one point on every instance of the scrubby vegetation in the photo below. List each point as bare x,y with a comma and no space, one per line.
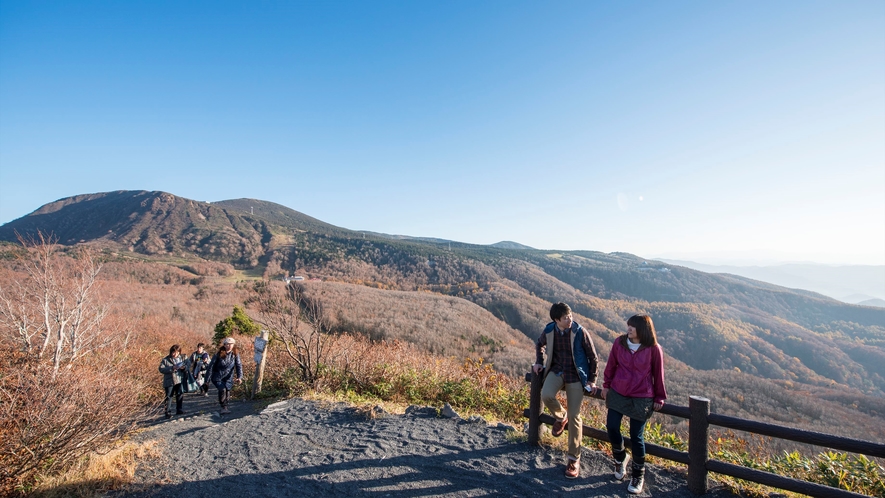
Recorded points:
442,325
64,349
82,354
855,473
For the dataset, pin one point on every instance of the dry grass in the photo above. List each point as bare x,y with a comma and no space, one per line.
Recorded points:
98,473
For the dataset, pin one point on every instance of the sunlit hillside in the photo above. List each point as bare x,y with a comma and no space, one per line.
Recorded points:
745,344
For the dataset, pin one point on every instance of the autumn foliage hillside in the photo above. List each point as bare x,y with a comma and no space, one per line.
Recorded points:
175,267
452,345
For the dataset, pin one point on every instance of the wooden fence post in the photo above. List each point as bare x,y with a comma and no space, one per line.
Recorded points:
698,439
263,350
535,409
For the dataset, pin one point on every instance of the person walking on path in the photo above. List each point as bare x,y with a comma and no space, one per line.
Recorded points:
172,367
225,369
200,363
633,386
571,364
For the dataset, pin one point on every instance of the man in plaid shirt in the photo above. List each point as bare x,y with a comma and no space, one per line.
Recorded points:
571,364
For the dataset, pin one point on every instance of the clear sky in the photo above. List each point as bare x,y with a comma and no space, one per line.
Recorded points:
695,130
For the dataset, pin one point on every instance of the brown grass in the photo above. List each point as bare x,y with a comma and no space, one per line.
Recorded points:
98,473
441,325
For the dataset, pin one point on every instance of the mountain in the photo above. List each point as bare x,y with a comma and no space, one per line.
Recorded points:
161,224
879,303
717,327
406,237
506,244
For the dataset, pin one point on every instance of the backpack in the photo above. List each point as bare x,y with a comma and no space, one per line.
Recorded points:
197,361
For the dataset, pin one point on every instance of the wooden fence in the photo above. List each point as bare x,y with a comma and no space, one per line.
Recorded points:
697,458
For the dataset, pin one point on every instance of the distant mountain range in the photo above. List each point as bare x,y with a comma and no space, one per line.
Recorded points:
734,328
855,284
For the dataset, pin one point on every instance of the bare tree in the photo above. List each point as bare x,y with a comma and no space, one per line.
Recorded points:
296,322
53,313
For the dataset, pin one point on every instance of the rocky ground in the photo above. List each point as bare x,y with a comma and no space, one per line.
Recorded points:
306,448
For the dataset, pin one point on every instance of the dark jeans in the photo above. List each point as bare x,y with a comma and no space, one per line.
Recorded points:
223,396
170,392
637,434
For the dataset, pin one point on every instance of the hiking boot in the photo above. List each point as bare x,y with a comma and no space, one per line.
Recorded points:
168,415
621,467
559,427
573,469
179,412
636,484
224,411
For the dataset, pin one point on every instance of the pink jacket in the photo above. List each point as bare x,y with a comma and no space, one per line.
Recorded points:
635,375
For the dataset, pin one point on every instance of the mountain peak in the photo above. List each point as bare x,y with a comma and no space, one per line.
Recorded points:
507,244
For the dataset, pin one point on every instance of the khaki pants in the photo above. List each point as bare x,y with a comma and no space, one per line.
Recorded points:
574,396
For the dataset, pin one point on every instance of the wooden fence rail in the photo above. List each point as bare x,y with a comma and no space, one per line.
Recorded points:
697,458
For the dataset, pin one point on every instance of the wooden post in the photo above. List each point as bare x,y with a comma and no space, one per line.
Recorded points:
535,408
259,370
698,438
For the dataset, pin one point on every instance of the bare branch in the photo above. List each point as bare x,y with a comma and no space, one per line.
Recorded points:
296,322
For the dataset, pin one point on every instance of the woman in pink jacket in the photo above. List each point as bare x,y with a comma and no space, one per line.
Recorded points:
633,385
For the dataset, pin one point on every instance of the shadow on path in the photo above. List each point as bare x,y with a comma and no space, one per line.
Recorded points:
304,449
195,405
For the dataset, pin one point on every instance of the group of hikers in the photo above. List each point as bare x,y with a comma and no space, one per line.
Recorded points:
194,373
632,386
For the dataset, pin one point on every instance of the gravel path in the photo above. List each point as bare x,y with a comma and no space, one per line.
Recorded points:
304,448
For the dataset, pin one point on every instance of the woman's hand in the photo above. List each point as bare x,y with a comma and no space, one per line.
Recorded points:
604,392
658,405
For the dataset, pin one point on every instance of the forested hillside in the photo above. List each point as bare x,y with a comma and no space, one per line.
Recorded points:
747,340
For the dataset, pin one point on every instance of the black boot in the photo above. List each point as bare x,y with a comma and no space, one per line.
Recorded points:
621,459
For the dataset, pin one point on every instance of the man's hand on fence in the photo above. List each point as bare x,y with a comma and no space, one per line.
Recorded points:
537,367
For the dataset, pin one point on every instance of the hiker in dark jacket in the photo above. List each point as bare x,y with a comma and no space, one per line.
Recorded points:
172,367
225,369
571,365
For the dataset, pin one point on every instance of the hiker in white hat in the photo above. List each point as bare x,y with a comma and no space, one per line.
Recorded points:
225,369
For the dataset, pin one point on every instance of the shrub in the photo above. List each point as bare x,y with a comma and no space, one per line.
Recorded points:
237,323
49,421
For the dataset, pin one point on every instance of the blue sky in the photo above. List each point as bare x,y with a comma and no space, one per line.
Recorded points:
695,130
